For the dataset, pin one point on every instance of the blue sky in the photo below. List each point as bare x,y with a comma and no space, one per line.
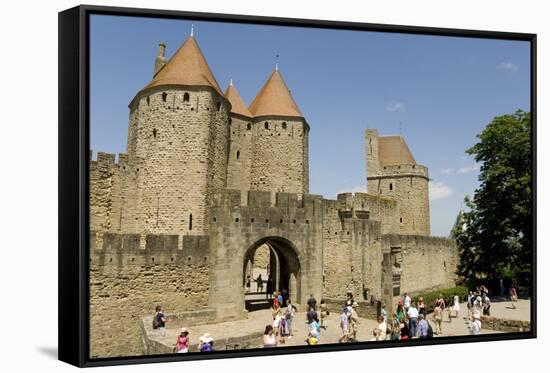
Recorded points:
438,92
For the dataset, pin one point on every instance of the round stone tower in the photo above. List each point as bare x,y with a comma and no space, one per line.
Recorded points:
279,140
240,147
177,145
393,172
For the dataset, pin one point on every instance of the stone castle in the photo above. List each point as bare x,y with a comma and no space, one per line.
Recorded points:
207,180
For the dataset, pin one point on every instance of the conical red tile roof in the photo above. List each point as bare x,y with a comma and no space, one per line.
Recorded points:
393,150
275,99
237,104
186,67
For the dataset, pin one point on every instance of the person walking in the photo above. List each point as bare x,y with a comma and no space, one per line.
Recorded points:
312,302
400,312
248,280
289,317
423,327
476,325
395,333
159,321
275,310
354,322
412,314
182,344
405,332
269,338
269,288
456,305
280,298
344,324
477,307
438,316
384,313
486,302
323,307
513,296
422,307
383,327
259,284
406,302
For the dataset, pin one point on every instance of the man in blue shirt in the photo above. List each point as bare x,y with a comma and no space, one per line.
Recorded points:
423,327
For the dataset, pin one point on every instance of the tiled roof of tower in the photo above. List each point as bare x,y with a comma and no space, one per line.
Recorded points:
393,150
237,104
186,67
275,99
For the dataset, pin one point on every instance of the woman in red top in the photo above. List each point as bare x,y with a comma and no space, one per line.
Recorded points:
182,345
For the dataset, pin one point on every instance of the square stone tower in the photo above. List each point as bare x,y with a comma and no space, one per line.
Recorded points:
393,172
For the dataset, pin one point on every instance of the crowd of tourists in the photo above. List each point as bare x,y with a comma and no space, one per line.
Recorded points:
408,321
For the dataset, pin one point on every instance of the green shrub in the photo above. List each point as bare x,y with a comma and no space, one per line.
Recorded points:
448,294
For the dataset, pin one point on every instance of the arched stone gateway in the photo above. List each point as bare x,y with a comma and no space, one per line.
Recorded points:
291,228
282,275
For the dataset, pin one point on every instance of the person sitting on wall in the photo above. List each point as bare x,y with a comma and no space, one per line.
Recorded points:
206,343
159,321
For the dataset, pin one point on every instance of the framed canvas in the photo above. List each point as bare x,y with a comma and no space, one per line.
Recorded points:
234,186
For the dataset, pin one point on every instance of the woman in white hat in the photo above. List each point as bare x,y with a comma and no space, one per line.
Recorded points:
206,343
182,344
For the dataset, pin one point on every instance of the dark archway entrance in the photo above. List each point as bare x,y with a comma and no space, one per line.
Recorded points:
276,261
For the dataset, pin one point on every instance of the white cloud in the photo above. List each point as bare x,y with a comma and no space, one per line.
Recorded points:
508,67
447,171
439,190
394,106
467,169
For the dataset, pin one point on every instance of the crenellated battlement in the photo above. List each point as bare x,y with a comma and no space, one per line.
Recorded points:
105,160
400,170
232,198
135,249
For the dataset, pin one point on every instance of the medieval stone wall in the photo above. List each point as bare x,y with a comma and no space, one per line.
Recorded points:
279,156
127,283
424,263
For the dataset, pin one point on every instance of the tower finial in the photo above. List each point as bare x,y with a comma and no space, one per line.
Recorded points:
192,30
277,62
230,81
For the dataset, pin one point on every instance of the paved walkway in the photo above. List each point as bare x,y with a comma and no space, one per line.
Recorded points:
501,309
257,320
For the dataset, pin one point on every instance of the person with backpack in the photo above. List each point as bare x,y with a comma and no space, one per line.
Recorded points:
159,321
206,343
182,344
423,328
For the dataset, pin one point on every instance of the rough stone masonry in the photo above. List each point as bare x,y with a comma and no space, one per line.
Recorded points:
208,180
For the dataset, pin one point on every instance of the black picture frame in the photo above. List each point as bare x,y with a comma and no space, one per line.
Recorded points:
74,82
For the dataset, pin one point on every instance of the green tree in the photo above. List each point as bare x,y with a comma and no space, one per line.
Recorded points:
496,232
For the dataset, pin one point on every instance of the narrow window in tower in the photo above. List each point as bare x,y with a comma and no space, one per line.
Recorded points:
190,221
164,95
391,186
401,220
238,154
284,125
249,126
186,97
411,181
266,125
155,133
219,106
230,121
148,100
